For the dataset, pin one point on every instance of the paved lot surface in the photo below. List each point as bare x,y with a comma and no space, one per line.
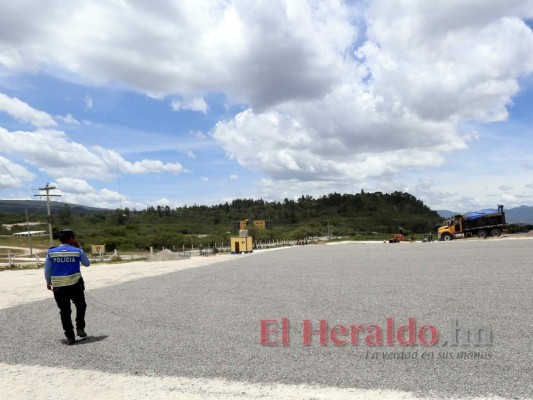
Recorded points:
205,322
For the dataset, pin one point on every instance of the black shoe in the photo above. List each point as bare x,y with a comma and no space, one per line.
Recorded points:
81,333
70,341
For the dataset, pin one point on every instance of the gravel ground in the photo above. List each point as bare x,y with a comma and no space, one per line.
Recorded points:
205,322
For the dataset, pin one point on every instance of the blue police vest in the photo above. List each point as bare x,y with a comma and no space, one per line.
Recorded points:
65,265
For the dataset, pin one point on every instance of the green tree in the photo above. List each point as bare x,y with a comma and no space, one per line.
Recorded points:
65,214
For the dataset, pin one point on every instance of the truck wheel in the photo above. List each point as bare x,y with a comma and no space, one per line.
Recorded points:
447,237
495,233
482,234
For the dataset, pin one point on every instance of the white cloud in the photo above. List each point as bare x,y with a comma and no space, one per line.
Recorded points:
79,191
95,163
191,154
510,199
73,185
112,158
314,143
100,198
317,111
441,198
164,202
88,102
68,119
444,59
191,104
198,135
234,177
400,104
23,112
36,148
266,52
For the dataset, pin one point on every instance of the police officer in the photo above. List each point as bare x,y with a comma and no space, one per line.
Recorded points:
63,276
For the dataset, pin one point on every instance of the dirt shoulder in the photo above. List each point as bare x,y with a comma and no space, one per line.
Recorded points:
23,286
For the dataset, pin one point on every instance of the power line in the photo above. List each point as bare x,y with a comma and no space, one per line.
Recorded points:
17,181
119,195
11,175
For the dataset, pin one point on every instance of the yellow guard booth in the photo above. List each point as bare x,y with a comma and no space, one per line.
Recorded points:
241,244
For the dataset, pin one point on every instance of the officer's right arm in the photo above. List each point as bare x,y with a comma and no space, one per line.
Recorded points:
48,273
84,259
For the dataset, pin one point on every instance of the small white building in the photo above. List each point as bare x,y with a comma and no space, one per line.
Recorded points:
31,233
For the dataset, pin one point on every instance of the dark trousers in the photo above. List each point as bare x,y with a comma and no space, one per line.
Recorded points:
63,296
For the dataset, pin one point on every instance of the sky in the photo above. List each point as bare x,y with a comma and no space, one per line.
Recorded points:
128,103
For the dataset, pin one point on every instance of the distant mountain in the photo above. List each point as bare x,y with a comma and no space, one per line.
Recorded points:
38,207
512,215
520,214
446,213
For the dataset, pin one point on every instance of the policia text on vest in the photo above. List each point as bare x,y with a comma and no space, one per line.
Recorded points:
63,276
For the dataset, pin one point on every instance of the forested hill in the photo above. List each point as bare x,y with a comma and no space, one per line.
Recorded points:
334,214
348,213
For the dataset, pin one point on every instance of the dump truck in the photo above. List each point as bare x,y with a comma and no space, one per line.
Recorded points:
480,223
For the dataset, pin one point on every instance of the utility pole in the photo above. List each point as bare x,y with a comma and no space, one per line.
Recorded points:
29,233
119,196
47,189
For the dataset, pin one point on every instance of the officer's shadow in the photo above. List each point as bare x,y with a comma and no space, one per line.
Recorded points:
88,340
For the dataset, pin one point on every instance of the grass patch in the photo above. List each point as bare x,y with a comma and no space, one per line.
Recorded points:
18,267
37,242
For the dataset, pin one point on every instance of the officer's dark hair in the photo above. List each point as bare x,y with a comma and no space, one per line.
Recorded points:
65,235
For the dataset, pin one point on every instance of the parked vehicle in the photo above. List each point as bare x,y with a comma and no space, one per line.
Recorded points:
397,238
477,223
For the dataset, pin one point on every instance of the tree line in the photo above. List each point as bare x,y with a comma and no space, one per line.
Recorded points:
349,215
